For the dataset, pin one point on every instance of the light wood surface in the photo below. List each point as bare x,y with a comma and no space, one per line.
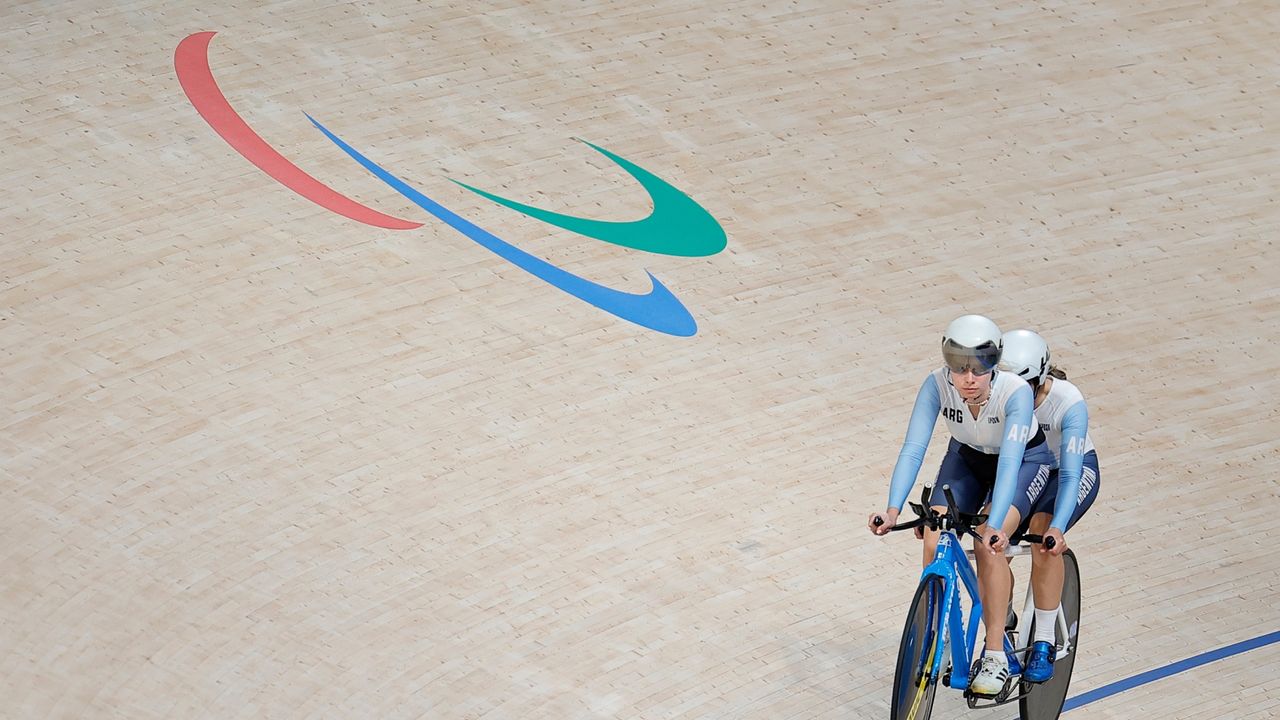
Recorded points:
258,460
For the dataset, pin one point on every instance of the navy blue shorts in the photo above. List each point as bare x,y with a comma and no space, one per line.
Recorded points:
972,475
1090,479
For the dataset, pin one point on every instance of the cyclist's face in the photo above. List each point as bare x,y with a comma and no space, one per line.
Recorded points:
971,385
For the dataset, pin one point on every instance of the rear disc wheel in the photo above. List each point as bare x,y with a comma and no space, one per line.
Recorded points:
1045,700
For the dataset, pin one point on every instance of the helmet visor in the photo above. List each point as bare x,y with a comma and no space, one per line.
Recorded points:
979,359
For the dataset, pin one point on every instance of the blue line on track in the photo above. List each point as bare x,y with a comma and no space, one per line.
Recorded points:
1174,668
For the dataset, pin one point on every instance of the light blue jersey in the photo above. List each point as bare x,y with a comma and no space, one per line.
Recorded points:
1003,427
1064,418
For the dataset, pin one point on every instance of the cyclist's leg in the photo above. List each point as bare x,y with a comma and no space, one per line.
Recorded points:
1046,569
994,575
1048,573
966,488
995,584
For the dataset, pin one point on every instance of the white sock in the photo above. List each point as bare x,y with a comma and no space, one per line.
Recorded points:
1046,624
998,655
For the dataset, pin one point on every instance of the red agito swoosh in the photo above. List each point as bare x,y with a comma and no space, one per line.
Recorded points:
191,61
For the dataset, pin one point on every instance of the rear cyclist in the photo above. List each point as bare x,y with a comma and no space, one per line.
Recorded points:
1064,418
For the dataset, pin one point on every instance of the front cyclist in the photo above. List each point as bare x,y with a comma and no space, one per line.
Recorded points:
1063,416
996,453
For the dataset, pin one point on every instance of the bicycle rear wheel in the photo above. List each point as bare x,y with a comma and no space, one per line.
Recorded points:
914,684
1045,700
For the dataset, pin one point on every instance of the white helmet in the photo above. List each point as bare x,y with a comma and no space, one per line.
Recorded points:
1026,355
971,342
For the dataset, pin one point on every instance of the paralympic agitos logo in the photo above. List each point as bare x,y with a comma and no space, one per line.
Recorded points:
677,226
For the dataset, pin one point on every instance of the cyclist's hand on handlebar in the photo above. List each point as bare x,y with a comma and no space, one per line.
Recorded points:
994,541
887,519
1059,542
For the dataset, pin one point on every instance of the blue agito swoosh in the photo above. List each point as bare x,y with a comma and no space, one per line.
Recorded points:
657,309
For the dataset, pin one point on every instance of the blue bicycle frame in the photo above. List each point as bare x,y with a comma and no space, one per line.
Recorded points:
950,562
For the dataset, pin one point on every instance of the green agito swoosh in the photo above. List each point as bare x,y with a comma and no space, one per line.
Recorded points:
677,225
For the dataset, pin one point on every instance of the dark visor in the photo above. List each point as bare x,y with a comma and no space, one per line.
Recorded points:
979,359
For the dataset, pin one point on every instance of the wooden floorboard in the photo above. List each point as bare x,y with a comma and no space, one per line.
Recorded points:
259,460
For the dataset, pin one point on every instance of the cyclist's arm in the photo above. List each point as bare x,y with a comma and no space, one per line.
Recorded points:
1019,419
1075,424
919,430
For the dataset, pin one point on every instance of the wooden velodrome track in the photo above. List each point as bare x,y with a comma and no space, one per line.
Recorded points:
260,460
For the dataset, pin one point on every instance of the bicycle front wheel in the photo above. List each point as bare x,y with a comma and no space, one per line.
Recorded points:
1045,700
914,683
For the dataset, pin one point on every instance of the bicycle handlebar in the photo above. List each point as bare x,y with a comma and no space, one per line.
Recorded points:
927,516
953,519
1048,542
909,525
